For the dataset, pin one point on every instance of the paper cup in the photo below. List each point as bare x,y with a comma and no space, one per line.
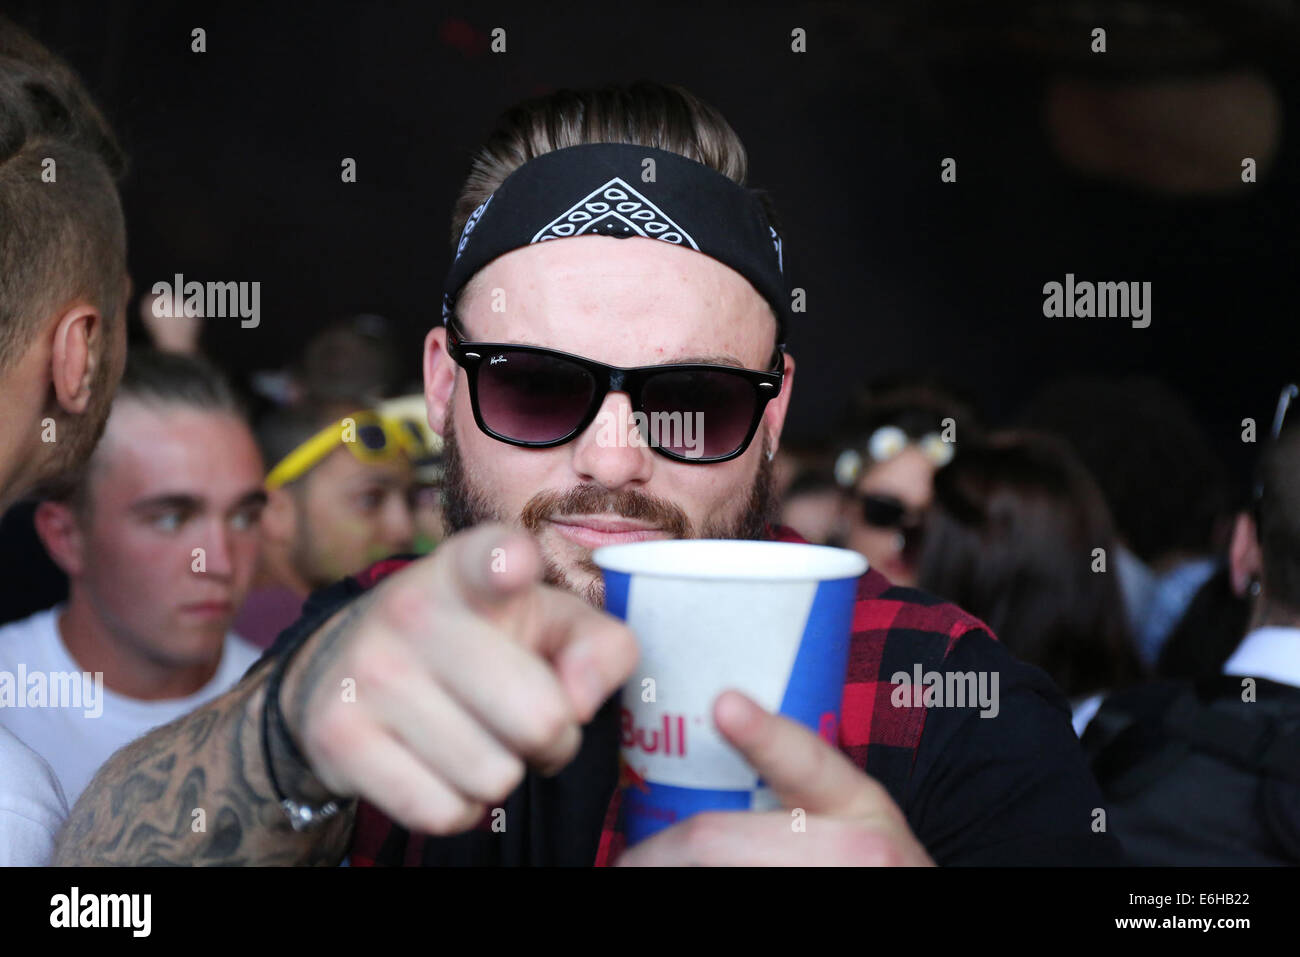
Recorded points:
770,619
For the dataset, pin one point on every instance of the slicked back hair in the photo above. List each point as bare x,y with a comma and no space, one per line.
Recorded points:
158,380
662,116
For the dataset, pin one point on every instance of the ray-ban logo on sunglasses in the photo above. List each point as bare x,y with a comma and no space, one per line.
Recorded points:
495,359
682,431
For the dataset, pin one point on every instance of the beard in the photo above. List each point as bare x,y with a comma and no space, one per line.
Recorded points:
465,505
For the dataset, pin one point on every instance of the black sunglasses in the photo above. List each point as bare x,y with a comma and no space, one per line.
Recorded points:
887,512
539,398
884,511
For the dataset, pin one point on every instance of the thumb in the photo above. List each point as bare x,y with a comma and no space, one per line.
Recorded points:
801,769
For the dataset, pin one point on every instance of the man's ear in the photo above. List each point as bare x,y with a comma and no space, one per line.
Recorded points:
774,414
56,525
279,517
1245,561
439,378
79,343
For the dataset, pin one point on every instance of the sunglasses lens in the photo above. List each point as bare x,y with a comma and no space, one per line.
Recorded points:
702,413
533,398
371,437
882,512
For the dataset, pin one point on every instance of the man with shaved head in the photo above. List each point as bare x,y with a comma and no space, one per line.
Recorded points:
63,290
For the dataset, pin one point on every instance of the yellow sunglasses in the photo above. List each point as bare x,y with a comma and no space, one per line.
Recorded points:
368,435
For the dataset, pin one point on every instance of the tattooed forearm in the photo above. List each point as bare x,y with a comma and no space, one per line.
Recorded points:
195,792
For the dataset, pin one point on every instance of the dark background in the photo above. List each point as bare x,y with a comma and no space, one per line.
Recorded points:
236,159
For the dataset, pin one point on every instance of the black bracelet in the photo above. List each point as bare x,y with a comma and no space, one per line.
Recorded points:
301,816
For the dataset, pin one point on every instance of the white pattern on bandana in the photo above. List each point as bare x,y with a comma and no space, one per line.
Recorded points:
470,223
615,209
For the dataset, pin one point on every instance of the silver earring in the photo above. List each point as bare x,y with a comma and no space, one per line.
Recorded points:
771,454
1255,588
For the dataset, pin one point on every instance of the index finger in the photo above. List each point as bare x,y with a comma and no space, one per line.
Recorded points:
593,652
488,565
494,573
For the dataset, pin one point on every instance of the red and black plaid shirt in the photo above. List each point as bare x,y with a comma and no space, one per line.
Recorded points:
893,630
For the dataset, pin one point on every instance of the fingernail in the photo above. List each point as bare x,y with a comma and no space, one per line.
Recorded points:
732,710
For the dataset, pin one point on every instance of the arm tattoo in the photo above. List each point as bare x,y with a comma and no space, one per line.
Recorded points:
141,808
322,657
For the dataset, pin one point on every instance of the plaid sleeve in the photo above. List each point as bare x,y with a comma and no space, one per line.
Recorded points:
894,630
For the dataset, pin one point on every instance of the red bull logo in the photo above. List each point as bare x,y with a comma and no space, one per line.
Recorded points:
667,738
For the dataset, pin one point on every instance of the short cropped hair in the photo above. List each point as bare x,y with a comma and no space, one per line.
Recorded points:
157,379
62,232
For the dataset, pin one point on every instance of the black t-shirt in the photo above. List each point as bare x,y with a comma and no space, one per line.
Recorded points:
1008,790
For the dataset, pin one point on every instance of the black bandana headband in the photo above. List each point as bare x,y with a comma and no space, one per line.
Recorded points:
598,189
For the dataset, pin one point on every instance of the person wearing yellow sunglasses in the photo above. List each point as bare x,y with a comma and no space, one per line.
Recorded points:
339,490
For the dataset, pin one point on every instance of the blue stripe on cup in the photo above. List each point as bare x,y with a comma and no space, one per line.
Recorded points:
648,808
816,685
616,588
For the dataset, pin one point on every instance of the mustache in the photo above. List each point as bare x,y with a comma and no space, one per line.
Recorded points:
595,500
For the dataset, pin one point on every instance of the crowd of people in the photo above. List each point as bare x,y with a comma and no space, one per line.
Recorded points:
1099,537
228,551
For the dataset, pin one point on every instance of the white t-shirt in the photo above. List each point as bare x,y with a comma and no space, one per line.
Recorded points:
77,725
32,808
1270,652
